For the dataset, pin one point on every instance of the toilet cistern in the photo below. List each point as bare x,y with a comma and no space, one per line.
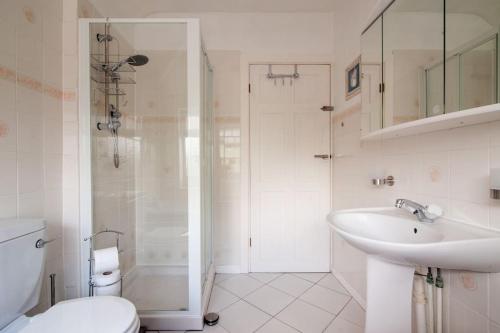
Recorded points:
425,214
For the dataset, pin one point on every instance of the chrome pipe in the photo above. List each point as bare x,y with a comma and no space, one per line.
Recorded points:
52,289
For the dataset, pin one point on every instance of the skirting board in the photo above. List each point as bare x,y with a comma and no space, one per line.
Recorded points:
228,269
349,288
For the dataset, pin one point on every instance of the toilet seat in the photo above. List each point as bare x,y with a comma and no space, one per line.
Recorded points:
99,314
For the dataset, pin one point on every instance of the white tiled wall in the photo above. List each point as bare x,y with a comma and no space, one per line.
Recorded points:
31,98
449,168
227,158
72,9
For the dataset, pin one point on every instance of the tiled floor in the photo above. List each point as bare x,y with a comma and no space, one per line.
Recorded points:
282,303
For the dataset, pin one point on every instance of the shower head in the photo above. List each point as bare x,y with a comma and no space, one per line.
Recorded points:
135,60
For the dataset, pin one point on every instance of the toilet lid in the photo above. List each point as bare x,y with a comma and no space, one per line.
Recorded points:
87,315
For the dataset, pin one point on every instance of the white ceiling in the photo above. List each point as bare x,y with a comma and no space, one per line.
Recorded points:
489,10
142,8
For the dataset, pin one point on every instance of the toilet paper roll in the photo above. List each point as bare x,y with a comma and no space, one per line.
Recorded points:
106,260
107,283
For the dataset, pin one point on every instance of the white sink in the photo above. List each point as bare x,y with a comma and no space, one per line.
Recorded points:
395,242
396,236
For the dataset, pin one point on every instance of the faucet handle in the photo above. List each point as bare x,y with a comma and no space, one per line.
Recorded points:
433,211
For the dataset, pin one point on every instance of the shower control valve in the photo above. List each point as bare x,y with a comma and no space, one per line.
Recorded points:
115,114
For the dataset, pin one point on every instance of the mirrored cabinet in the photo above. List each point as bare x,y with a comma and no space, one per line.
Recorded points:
371,76
421,59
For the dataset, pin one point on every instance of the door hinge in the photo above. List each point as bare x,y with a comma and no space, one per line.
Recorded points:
249,88
381,87
250,242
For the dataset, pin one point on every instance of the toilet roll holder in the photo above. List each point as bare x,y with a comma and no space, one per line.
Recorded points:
90,239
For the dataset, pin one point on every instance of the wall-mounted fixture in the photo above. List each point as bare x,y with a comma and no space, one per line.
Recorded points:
272,76
389,181
495,183
109,69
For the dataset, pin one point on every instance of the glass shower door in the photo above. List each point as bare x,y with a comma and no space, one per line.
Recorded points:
207,168
145,195
146,161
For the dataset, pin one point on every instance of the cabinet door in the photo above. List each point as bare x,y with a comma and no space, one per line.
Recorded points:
472,29
413,55
371,78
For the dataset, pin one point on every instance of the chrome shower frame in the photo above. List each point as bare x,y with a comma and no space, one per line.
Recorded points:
198,295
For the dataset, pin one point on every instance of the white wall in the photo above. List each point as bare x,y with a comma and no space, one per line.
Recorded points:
265,33
449,168
31,128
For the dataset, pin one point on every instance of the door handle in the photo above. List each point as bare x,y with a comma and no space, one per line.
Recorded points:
41,243
322,156
327,108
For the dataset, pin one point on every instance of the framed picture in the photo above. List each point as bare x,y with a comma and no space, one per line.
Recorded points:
353,79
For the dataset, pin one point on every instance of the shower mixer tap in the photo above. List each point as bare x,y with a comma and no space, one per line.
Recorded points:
113,123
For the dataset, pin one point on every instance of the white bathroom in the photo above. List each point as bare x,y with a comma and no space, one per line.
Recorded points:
234,166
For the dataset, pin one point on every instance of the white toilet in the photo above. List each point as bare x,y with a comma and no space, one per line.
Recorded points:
22,264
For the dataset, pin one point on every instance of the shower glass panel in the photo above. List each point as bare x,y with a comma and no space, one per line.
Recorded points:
146,195
207,167
146,124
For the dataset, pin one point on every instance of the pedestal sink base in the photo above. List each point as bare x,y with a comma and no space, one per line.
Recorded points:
389,297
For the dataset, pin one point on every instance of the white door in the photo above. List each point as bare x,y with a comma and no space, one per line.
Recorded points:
290,187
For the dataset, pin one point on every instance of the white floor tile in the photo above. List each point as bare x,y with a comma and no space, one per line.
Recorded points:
265,277
291,284
354,313
242,317
312,277
330,282
212,329
240,285
208,329
219,277
340,325
269,300
305,317
276,326
326,299
220,299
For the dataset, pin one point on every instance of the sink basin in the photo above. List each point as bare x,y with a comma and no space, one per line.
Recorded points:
395,242
398,237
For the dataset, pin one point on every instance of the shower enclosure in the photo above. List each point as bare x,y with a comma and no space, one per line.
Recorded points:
145,103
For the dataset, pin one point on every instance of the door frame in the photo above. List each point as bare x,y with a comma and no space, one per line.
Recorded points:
245,204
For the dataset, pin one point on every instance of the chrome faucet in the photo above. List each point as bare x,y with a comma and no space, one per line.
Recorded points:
425,214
